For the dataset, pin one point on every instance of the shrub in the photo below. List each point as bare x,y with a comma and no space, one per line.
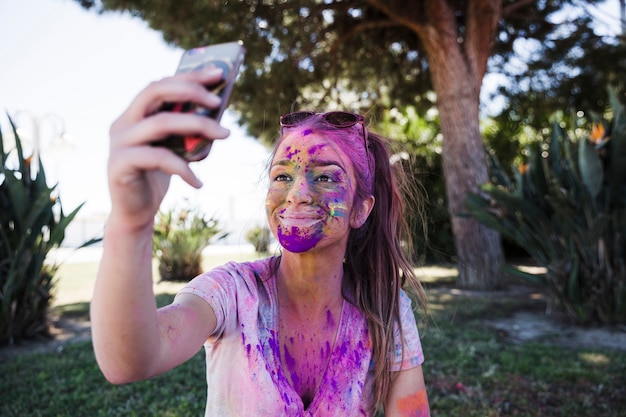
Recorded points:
259,237
567,209
180,236
32,222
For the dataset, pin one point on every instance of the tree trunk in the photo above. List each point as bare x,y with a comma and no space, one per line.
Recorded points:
457,65
478,248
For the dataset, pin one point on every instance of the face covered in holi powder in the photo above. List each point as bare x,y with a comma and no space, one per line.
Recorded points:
311,192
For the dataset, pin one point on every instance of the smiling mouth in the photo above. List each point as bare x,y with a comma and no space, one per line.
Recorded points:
299,220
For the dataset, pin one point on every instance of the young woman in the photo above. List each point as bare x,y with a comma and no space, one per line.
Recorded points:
324,329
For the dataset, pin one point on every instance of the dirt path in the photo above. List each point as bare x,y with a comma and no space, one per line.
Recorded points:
62,331
531,323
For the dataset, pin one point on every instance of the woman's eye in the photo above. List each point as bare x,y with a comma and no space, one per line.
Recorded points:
281,177
325,178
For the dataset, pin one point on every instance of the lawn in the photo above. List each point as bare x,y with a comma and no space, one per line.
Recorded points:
471,369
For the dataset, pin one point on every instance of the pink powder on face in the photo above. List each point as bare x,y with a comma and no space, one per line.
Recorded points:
305,176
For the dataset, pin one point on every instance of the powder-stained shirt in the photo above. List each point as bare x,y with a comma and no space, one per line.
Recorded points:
245,376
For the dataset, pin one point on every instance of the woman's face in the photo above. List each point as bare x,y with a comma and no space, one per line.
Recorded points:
310,198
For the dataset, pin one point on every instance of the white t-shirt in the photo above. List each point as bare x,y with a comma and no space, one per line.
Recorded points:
245,376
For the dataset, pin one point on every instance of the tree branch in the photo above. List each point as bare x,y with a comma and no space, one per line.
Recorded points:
399,16
511,8
481,27
365,26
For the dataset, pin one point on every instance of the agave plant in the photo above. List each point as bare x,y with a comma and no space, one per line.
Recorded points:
32,222
180,236
567,209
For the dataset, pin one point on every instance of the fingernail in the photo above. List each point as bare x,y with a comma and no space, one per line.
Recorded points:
214,100
213,70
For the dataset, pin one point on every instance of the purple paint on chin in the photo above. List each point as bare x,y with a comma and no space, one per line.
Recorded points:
294,242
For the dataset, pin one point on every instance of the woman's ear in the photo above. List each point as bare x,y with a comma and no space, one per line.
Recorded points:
361,213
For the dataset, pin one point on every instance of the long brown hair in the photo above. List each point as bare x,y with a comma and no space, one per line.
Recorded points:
377,261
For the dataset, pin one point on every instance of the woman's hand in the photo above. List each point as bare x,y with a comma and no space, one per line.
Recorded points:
139,173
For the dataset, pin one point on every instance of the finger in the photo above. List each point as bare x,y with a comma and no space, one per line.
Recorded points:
195,81
187,87
162,125
205,76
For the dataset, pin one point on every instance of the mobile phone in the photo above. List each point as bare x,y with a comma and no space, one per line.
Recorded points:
227,56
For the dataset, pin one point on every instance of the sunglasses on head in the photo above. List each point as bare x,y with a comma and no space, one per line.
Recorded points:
338,119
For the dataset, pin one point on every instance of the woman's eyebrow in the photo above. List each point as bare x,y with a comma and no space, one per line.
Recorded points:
326,163
282,162
314,163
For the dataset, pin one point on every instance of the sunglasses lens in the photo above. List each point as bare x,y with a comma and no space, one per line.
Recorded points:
293,119
342,119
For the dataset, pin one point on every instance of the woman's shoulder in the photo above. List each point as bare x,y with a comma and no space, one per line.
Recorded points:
237,276
262,269
405,300
232,280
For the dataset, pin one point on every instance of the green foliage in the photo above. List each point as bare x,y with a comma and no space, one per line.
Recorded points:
568,73
567,209
180,236
417,148
259,236
300,53
356,55
32,222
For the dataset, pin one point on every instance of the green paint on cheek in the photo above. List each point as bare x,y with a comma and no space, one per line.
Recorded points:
337,209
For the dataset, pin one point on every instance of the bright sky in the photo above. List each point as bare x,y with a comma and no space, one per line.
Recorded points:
76,71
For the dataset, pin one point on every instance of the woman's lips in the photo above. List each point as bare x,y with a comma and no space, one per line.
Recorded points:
299,219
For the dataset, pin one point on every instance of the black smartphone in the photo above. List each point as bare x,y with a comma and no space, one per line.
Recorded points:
227,56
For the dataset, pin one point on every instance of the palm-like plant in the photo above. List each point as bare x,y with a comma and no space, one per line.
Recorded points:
567,209
32,222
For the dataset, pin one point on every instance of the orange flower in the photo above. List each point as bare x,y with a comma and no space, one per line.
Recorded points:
522,168
597,133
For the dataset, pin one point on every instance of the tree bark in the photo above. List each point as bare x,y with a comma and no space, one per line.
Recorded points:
478,248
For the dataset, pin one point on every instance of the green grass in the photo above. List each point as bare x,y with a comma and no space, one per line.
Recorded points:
470,370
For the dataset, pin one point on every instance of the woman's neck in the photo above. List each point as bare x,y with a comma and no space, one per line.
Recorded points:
309,284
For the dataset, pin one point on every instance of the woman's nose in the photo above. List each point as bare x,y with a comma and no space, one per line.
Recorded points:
300,192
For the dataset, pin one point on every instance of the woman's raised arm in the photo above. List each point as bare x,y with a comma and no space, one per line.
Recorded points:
132,339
